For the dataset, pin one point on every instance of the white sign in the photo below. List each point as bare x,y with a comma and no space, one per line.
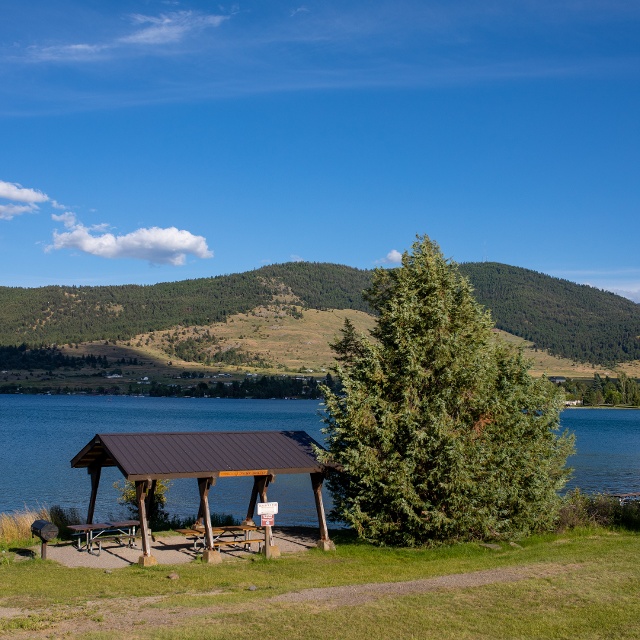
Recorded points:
267,508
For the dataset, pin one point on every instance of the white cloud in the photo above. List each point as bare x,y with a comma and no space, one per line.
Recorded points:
67,218
8,211
393,257
16,193
296,258
156,245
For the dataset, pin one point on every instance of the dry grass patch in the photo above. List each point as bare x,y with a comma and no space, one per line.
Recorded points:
16,526
281,341
546,364
286,343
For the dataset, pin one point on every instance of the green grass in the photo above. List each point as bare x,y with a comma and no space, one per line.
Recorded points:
593,594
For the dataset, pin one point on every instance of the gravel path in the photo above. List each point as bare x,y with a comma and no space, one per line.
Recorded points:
359,593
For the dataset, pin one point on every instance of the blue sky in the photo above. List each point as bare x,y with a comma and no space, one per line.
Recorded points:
145,140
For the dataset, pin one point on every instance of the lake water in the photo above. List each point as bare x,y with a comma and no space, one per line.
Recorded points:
40,434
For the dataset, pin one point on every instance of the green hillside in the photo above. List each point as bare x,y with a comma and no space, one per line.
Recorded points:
567,319
58,315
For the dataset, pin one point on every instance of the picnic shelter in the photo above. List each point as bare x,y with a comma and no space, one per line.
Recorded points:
144,458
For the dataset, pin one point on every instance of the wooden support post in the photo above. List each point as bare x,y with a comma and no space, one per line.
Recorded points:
142,491
324,543
270,550
150,501
209,554
94,471
252,501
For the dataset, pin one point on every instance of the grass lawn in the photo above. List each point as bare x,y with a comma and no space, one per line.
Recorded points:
585,584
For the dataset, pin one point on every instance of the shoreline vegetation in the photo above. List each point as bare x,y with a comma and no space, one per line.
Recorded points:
237,391
250,386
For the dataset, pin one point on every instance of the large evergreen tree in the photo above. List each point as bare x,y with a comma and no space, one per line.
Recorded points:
440,432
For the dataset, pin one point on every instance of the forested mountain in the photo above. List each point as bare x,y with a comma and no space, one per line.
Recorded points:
569,320
55,314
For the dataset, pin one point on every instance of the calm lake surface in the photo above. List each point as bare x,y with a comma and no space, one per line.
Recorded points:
40,434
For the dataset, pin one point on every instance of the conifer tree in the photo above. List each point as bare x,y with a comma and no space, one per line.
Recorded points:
440,432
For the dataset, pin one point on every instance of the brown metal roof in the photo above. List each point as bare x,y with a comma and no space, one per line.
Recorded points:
201,454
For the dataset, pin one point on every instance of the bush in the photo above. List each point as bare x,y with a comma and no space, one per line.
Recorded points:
159,519
62,518
583,510
157,516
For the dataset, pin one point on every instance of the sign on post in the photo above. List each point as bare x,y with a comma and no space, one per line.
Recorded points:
267,520
267,508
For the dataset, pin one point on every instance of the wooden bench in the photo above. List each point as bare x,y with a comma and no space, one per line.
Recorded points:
197,534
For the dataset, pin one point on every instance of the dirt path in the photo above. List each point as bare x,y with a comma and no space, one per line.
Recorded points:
120,616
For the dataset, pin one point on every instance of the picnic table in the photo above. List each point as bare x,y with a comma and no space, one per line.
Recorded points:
90,536
231,535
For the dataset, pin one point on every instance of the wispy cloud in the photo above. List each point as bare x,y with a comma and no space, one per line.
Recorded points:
16,193
146,33
624,281
267,47
633,295
155,245
298,10
169,27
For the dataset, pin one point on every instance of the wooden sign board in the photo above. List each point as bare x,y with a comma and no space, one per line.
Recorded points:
245,472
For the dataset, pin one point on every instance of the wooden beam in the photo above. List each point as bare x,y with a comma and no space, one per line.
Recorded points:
210,554
94,471
270,549
142,491
150,501
253,499
204,484
316,482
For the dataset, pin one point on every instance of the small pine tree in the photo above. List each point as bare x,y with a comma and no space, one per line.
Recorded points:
439,431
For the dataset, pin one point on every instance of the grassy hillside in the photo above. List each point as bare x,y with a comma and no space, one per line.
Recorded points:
263,341
191,320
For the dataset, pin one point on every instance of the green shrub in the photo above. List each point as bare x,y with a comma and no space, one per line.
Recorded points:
62,518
